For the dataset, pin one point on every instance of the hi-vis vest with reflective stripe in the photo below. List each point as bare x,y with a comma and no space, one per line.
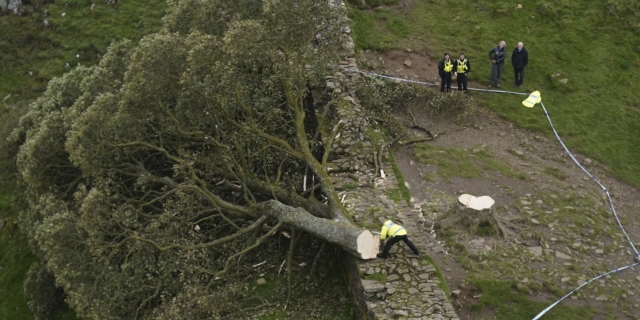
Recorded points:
392,229
448,66
534,98
462,66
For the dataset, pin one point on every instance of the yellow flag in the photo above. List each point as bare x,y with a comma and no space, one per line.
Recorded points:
534,98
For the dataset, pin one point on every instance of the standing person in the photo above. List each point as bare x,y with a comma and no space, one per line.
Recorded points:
519,60
445,67
396,233
497,56
462,67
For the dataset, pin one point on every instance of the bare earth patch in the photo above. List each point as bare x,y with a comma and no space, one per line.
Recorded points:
563,230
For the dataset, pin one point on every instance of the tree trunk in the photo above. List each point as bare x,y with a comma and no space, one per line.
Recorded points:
359,242
472,213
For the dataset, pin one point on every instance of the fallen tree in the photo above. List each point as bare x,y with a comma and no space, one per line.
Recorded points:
156,171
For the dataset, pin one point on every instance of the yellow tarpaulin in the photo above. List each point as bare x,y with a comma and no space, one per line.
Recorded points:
534,98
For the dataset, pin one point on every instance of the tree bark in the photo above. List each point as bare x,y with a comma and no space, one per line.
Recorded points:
359,242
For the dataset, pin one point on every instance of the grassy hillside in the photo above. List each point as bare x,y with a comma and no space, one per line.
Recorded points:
593,44
78,37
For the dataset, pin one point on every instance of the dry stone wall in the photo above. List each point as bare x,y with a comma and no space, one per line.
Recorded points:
403,286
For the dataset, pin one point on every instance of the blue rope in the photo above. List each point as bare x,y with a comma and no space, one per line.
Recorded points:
572,158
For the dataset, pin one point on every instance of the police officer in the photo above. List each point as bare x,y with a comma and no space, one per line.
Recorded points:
396,233
462,67
445,67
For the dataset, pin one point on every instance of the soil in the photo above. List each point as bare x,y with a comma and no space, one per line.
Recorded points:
529,153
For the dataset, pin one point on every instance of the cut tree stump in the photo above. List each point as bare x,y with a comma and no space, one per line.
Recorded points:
472,213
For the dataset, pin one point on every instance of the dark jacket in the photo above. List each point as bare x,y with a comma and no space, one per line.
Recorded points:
441,68
520,59
455,67
497,54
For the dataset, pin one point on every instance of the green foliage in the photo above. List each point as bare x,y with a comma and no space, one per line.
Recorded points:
132,167
391,103
595,112
44,297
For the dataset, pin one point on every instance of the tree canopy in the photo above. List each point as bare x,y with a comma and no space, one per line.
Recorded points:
149,174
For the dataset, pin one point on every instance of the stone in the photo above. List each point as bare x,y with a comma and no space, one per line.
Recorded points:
564,81
520,153
400,313
372,286
525,203
331,85
261,281
519,6
391,290
563,255
393,277
565,279
413,290
370,271
424,276
406,278
537,251
455,293
534,221
408,63
581,282
599,251
587,161
601,298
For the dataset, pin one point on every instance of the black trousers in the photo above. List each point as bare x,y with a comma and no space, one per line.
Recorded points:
462,82
519,73
446,80
395,239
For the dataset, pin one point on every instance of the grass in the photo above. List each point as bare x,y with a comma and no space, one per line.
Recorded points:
382,278
555,173
402,191
15,256
508,303
28,45
452,162
595,112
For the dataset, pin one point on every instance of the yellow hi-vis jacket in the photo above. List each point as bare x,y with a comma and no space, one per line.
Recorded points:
392,229
462,66
448,66
534,98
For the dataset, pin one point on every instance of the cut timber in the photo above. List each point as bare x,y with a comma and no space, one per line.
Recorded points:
359,242
475,215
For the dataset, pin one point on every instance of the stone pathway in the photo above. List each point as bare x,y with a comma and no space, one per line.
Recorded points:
411,288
